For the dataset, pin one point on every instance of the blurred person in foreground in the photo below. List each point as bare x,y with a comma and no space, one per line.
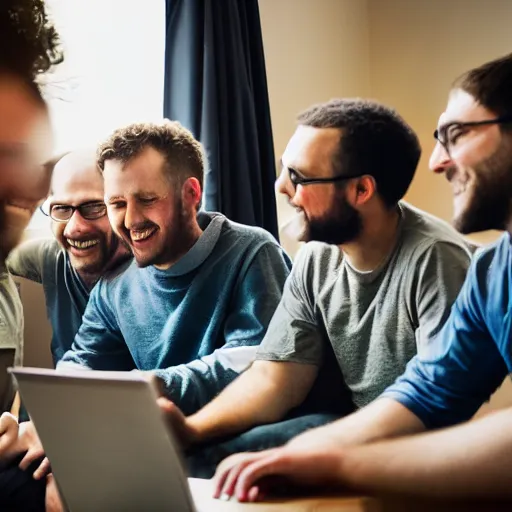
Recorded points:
28,48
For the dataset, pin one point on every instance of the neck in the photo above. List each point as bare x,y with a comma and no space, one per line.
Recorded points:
375,242
193,232
91,278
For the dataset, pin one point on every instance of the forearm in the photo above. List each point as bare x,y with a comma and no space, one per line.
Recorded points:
383,418
254,398
468,460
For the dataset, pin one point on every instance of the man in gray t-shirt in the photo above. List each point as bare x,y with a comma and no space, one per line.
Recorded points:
374,285
376,320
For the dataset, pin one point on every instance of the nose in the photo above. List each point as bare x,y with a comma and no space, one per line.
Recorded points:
132,217
440,160
76,225
283,184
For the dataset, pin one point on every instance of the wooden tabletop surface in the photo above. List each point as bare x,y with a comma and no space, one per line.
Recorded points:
202,492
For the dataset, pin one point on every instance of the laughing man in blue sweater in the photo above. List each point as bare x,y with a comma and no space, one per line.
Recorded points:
197,299
445,384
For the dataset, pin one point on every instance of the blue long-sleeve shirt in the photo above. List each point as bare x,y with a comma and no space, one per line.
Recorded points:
449,381
198,323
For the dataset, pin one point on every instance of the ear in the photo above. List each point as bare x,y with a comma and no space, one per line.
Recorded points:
363,190
191,192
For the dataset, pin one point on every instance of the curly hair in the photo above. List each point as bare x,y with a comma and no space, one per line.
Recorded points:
184,155
374,140
29,42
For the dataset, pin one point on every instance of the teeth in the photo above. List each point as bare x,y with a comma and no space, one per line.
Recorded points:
142,235
82,245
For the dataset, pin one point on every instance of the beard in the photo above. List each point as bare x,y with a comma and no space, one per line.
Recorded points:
107,247
341,224
490,204
176,242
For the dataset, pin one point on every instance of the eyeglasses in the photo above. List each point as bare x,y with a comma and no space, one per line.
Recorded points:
91,210
448,134
297,179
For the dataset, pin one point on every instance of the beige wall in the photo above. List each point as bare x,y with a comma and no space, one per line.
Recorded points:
314,51
417,48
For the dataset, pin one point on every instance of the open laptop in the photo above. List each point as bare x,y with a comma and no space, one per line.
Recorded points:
106,440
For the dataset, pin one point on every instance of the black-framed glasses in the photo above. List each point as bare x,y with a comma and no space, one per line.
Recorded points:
90,210
297,179
448,134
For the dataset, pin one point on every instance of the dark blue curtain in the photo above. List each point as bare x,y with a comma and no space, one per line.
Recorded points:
216,85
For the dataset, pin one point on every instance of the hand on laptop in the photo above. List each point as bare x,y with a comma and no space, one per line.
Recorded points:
251,476
177,421
29,442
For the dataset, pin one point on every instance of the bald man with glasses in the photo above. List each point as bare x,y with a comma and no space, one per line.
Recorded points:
373,286
83,249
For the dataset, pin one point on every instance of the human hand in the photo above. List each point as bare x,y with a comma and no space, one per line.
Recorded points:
8,434
251,476
53,501
178,422
31,443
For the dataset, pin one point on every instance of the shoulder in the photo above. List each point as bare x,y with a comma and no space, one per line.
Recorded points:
123,275
316,263
36,258
424,233
42,248
251,235
249,242
494,260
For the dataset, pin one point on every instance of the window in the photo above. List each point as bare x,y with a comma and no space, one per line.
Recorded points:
113,72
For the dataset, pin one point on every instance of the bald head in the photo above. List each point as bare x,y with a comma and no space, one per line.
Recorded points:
79,215
76,178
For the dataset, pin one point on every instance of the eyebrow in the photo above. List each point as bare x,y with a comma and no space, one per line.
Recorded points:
110,200
294,169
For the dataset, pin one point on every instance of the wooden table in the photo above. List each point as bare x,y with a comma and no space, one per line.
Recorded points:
202,492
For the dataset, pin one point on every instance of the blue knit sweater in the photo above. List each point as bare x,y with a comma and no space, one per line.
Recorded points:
198,323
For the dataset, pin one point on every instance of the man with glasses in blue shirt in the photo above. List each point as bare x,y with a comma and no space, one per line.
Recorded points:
373,286
445,384
83,250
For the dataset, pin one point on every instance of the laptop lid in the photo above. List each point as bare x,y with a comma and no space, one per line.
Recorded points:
106,440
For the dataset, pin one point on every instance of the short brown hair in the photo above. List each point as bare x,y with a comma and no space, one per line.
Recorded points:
184,155
374,140
490,84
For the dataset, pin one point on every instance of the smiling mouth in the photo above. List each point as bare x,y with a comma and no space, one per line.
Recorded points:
82,244
141,236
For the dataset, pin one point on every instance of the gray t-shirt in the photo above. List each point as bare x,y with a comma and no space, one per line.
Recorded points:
375,321
11,330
